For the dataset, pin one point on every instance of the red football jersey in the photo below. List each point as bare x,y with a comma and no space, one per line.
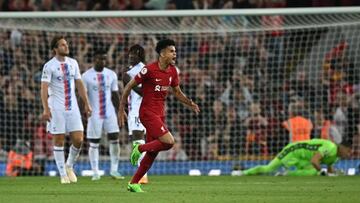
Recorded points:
155,85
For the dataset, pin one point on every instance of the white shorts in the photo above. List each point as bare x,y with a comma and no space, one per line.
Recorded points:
134,123
96,126
63,122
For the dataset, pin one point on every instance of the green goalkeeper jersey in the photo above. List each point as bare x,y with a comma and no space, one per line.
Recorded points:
305,150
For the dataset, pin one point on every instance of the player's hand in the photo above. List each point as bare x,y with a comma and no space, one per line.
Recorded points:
195,108
88,110
46,116
121,117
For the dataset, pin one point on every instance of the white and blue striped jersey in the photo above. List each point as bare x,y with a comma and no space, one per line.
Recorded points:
100,86
61,77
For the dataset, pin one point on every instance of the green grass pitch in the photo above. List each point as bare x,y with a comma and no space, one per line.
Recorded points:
184,189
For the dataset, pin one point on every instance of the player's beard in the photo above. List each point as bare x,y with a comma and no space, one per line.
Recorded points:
99,68
172,61
64,54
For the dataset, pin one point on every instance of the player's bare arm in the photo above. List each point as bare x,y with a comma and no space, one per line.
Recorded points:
46,116
127,79
124,96
183,99
115,99
315,161
82,92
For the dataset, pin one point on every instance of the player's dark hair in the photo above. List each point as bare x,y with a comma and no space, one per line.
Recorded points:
98,52
55,40
139,51
162,44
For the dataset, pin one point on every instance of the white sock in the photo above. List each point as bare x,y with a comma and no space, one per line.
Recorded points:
94,157
60,160
139,142
73,155
114,151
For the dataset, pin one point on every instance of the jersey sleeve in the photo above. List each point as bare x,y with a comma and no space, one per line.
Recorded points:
46,74
114,83
175,81
142,75
77,71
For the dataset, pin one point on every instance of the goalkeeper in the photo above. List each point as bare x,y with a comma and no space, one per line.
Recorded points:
306,157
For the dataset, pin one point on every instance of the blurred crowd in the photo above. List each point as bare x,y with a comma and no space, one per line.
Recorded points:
93,5
251,96
254,91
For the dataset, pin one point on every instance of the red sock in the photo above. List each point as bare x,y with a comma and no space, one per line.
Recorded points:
145,165
154,146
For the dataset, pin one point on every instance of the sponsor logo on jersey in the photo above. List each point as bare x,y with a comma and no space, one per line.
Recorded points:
159,88
144,71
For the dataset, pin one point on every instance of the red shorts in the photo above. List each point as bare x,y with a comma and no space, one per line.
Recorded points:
155,126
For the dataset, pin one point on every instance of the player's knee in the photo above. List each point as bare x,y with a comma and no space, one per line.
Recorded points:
59,140
77,142
138,135
172,142
77,138
58,144
169,146
168,139
169,142
113,136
